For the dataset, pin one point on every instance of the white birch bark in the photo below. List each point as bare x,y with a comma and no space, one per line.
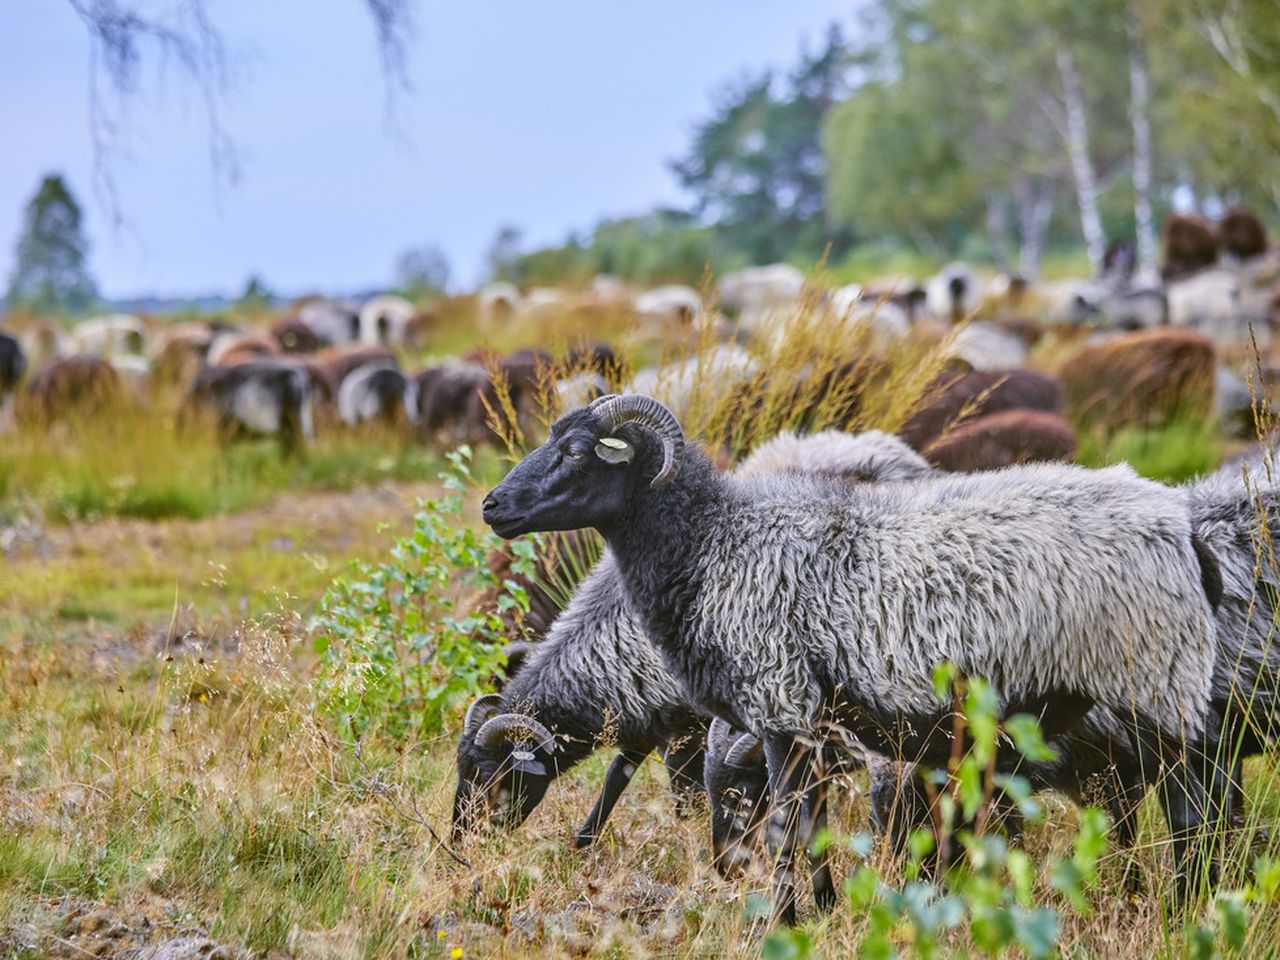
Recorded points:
1139,117
1081,165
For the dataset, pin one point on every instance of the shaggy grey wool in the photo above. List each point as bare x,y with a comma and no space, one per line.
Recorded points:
1040,578
868,457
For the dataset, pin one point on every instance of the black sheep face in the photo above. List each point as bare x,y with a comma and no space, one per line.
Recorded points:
739,796
498,786
583,476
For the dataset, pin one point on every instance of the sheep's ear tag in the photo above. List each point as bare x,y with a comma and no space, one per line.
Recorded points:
525,761
613,450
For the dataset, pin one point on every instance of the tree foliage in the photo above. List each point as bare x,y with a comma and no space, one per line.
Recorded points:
755,167
51,272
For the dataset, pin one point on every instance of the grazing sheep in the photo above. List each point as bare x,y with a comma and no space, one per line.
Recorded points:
294,336
13,364
335,321
987,346
679,383
761,295
675,306
978,394
1216,303
79,385
1140,379
108,336
522,371
498,303
338,364
1189,245
1003,439
386,321
1241,234
182,350
440,396
889,321
954,293
778,600
593,677
374,392
235,347
257,398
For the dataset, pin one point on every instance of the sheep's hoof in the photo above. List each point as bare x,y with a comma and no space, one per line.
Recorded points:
584,840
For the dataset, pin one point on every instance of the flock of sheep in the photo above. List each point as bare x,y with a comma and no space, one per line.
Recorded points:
332,361
767,625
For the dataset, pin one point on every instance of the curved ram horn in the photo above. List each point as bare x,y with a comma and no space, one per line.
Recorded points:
745,752
648,412
481,709
718,737
506,727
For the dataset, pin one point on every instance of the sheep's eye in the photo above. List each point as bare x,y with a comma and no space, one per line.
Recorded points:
573,453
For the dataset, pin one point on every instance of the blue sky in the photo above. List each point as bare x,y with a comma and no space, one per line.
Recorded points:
544,115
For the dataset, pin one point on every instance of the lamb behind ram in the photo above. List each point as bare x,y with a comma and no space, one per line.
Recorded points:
594,672
778,601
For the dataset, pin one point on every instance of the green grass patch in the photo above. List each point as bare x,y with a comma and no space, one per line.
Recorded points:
1173,453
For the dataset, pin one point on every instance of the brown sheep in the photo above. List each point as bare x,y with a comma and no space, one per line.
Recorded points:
1242,234
1189,245
294,336
231,349
521,369
442,396
976,394
1003,439
559,564
72,385
1141,379
339,363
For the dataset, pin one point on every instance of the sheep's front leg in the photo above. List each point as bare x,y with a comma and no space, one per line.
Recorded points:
619,775
684,762
815,816
790,770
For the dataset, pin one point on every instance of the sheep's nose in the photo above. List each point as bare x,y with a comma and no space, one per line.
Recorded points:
489,504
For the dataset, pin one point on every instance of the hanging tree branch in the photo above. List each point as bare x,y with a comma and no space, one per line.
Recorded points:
124,33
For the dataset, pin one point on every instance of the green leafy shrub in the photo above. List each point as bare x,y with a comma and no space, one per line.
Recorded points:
397,651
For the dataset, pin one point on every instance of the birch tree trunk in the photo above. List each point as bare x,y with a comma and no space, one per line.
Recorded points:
1034,200
998,229
1139,107
1081,165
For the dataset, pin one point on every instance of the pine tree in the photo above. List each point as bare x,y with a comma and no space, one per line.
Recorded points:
50,273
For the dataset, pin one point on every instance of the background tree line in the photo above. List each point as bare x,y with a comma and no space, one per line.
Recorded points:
994,130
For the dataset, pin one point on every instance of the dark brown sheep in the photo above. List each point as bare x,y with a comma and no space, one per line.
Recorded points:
72,385
241,348
1242,234
559,564
1141,379
13,364
442,396
978,394
294,336
1189,245
339,363
521,369
1003,439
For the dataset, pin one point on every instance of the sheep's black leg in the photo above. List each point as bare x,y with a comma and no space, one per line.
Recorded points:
684,763
620,773
789,765
815,819
1191,809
